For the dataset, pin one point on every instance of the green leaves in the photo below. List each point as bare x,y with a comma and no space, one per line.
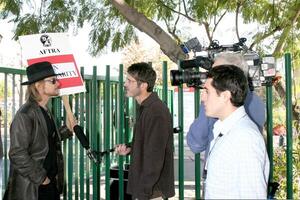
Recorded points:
10,8
59,15
109,27
29,24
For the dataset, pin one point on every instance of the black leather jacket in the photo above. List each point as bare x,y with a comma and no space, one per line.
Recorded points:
28,149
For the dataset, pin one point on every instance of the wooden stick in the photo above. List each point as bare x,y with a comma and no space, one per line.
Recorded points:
71,121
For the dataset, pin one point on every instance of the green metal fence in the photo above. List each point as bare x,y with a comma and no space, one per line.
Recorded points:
107,117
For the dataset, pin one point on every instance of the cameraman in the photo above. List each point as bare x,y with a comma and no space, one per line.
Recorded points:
200,132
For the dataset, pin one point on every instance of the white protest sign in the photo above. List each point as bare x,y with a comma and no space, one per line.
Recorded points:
54,48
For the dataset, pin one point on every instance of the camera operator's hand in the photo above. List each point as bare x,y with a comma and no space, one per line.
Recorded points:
122,149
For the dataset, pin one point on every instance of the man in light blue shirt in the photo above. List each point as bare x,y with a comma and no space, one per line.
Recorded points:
200,133
237,164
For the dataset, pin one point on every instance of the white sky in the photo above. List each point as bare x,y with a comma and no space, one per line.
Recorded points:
10,51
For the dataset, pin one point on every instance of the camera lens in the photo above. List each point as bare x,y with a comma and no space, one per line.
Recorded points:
176,77
190,77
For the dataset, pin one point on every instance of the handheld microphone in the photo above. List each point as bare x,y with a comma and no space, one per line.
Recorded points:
92,155
85,143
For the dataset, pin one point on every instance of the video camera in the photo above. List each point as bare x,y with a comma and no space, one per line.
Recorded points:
261,70
192,77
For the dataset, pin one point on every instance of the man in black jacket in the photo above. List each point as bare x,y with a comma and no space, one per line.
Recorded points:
36,161
151,173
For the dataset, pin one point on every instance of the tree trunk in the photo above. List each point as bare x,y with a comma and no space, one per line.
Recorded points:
141,22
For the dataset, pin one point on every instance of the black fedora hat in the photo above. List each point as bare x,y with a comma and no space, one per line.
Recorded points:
38,71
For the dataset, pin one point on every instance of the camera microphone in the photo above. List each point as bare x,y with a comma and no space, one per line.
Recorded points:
85,143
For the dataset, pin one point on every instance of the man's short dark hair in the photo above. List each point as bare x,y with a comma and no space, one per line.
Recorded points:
231,78
143,72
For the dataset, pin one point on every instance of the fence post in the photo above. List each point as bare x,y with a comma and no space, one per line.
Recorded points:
121,131
76,149
180,141
107,131
81,152
289,131
197,156
165,82
5,132
94,135
269,103
88,97
70,159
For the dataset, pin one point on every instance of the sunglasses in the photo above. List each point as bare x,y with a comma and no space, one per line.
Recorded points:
53,81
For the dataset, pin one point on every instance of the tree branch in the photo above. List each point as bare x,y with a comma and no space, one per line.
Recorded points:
285,33
175,11
264,36
216,25
237,19
184,6
173,32
206,26
41,10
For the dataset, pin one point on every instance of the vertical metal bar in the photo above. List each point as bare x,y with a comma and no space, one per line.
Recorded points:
197,156
100,114
5,131
180,142
13,105
70,162
289,131
269,96
97,133
96,182
133,105
134,109
21,92
81,153
112,117
172,102
165,85
121,131
165,82
126,124
107,131
77,156
88,128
